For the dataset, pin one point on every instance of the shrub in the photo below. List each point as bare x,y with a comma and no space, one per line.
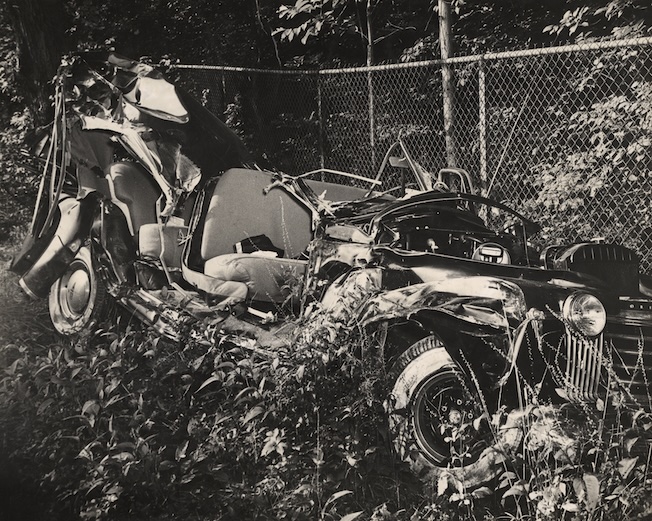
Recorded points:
121,424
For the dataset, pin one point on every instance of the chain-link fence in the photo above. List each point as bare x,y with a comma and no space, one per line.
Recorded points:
562,134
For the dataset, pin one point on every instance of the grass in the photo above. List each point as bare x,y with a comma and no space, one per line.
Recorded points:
24,325
23,321
182,416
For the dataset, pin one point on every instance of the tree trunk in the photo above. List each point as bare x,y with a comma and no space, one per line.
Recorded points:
39,27
448,81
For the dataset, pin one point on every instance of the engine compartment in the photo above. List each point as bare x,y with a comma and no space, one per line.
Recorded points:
454,231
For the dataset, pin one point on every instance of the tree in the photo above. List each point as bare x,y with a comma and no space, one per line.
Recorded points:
39,30
17,184
308,19
448,80
351,31
229,32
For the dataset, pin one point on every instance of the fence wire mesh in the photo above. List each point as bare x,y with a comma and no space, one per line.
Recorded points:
563,135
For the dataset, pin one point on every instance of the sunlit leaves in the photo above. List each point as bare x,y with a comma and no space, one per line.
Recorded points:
592,486
215,428
310,18
625,466
619,18
274,443
571,22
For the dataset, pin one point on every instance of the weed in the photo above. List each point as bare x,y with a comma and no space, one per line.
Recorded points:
121,424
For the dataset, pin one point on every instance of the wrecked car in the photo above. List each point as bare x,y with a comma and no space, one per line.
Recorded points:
149,201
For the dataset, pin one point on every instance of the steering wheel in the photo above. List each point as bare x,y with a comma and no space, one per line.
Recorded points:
441,186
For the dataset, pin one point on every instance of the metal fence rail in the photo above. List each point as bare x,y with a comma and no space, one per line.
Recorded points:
563,134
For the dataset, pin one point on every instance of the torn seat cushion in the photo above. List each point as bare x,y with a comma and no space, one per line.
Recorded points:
267,278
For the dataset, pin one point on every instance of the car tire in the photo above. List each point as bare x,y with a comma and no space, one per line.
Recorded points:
78,298
431,401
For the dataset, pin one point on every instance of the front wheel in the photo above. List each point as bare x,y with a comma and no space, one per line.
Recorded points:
436,417
77,299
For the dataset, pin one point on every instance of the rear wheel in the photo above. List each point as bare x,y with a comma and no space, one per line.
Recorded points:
77,299
436,417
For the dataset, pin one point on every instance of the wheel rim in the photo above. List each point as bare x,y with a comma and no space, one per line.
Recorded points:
444,413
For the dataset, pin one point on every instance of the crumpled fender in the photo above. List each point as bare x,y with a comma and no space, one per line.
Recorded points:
478,301
47,264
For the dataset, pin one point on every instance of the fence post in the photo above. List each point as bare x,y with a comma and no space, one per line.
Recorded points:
372,121
320,116
370,85
482,126
224,103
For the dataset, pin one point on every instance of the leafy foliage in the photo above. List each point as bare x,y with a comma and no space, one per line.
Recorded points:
17,182
597,153
203,31
120,424
615,18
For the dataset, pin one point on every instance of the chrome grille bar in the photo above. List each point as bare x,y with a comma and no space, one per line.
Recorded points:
583,364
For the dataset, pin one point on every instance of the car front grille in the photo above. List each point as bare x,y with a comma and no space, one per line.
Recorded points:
619,359
584,361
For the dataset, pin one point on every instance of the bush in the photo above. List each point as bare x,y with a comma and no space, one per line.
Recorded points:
119,424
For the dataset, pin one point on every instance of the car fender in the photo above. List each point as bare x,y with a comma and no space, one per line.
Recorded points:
51,262
479,302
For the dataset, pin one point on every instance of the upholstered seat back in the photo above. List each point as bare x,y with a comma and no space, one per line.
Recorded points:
133,191
267,280
239,209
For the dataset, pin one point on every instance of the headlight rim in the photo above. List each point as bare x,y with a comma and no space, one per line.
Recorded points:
579,325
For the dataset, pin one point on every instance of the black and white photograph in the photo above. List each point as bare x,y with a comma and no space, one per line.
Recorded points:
325,260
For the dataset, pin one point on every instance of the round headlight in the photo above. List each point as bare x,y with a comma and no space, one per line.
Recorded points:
585,313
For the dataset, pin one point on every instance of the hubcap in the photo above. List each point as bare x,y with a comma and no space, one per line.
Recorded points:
455,417
444,413
75,293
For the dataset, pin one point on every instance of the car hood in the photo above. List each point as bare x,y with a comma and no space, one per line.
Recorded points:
541,288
